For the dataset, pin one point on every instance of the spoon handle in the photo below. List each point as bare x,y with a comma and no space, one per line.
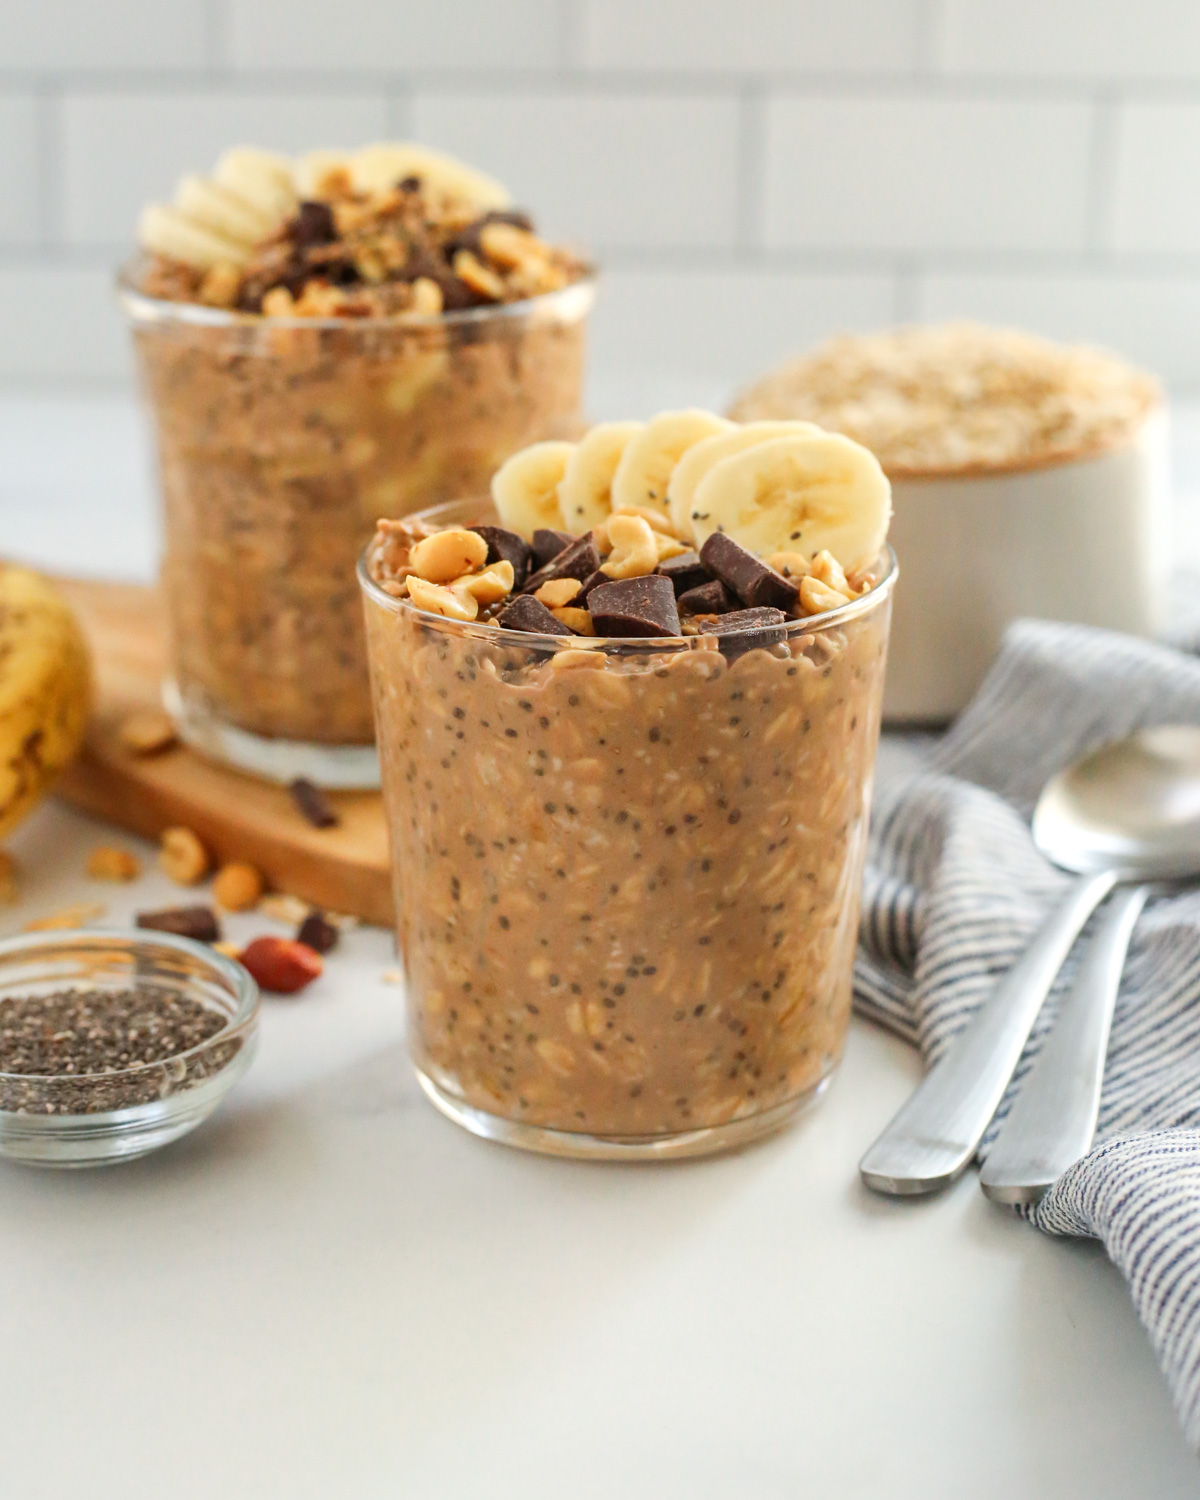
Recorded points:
1053,1121
934,1135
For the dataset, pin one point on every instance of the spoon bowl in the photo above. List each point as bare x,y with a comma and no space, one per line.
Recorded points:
1132,807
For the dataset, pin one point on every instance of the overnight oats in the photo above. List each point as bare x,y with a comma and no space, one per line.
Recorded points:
323,342
627,718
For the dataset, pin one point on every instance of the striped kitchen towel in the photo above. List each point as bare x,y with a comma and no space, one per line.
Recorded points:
955,889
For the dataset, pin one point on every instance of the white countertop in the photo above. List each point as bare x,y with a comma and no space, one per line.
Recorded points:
331,1291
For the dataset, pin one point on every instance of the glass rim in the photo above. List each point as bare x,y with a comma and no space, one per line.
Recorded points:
242,984
142,308
473,630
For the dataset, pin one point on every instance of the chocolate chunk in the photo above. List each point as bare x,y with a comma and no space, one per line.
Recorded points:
580,560
457,296
528,613
594,582
313,225
196,922
409,184
685,572
746,628
748,576
312,803
711,598
318,933
635,606
507,546
548,544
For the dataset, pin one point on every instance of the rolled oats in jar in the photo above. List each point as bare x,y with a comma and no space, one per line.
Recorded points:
627,863
323,342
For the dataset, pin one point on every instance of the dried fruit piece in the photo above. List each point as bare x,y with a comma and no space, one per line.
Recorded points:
238,886
148,731
196,922
182,857
108,863
318,933
313,803
281,965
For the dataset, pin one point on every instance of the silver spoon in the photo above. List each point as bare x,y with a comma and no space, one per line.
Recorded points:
1127,812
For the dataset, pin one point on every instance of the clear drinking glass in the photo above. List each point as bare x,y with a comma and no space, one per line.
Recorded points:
626,872
281,442
91,1119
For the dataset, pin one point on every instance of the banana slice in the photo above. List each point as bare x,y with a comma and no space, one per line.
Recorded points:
585,494
376,168
525,487
703,456
798,494
168,232
261,178
208,203
650,456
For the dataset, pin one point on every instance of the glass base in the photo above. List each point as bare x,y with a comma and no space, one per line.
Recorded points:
347,768
709,1141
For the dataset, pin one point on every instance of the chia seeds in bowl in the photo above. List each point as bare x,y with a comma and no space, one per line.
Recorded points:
112,1044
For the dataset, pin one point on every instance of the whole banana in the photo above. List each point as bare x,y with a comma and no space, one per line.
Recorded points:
45,689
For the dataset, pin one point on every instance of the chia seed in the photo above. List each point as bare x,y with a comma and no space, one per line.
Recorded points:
54,1040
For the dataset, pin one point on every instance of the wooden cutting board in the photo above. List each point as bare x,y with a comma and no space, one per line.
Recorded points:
344,869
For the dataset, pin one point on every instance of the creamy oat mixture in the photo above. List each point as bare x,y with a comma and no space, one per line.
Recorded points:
628,810
385,329
960,398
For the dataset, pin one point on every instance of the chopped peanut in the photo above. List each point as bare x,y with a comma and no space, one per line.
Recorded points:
237,887
447,555
557,592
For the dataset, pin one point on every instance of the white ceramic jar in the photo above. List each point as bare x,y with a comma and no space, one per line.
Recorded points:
1085,540
1028,479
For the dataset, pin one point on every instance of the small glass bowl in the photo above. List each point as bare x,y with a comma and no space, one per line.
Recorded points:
68,1120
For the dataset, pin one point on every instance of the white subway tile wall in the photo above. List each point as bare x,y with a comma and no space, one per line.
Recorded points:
754,174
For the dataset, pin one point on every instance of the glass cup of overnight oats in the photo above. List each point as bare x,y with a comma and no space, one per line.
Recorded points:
322,343
627,869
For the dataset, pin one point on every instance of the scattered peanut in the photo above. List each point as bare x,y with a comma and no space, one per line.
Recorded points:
238,886
426,298
790,564
634,550
479,278
392,976
578,620
438,600
147,732
107,863
182,857
557,592
448,554
669,546
827,568
282,907
509,246
279,303
489,587
281,965
82,915
816,597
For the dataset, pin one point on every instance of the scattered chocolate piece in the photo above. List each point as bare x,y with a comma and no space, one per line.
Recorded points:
548,544
746,575
320,934
312,803
685,572
711,598
507,546
530,614
196,922
580,560
635,606
746,628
